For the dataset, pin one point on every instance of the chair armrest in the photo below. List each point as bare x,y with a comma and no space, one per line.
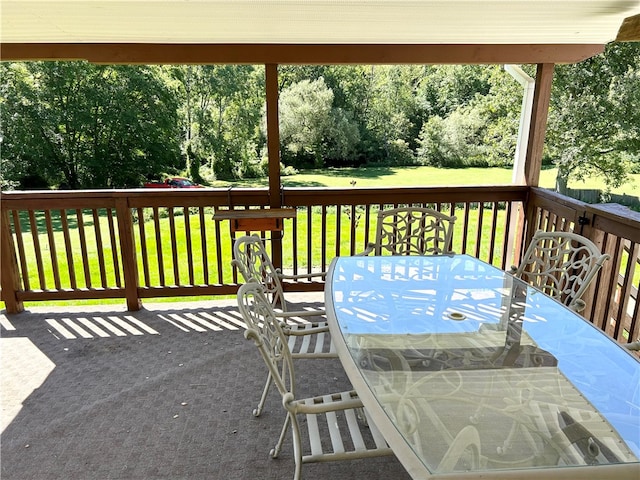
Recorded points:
301,313
577,305
300,276
369,249
320,405
307,331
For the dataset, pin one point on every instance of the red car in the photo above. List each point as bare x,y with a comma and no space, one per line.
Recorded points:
173,182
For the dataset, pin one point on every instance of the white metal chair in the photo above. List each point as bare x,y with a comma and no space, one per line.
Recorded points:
412,231
562,265
331,418
307,332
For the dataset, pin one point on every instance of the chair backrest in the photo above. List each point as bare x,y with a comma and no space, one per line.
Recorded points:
265,330
562,265
251,259
413,231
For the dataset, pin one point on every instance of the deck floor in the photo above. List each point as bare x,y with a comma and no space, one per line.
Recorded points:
163,393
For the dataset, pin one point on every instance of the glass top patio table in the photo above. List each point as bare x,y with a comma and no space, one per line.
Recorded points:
471,373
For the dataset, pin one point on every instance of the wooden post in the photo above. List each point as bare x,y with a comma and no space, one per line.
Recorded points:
10,276
127,250
539,114
273,147
535,145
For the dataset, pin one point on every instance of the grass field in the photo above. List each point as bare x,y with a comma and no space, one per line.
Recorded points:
424,176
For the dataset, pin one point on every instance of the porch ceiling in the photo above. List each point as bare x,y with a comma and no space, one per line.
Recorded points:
551,23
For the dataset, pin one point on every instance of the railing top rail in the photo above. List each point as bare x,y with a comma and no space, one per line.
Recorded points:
558,198
387,195
54,199
241,196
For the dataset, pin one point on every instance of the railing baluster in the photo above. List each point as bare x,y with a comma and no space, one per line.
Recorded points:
26,284
83,248
494,224
174,246
52,249
310,238
187,236
479,229
68,248
203,244
159,252
114,248
99,248
323,224
33,226
218,237
144,253
338,228
507,236
465,231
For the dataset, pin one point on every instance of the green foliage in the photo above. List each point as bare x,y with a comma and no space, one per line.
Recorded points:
220,111
594,122
84,125
80,125
312,130
480,132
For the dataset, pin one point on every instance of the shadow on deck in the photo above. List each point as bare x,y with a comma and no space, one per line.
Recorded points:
167,392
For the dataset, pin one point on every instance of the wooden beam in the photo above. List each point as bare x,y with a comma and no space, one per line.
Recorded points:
629,30
539,113
328,54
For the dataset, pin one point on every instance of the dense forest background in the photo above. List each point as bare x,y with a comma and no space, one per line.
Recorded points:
79,125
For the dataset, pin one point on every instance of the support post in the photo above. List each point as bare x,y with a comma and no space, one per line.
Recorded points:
539,114
273,148
127,250
535,144
9,275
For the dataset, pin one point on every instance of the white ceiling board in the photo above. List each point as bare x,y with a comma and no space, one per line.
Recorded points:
315,21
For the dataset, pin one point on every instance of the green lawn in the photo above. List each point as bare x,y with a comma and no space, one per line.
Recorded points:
423,176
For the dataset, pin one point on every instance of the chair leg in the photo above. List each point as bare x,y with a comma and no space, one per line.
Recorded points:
275,451
258,410
297,447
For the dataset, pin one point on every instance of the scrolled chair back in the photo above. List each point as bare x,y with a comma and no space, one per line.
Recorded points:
562,265
253,262
413,231
265,329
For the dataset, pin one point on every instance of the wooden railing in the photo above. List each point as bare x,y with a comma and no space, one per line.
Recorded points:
138,244
612,300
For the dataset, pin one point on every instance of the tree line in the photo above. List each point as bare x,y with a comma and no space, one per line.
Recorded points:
79,125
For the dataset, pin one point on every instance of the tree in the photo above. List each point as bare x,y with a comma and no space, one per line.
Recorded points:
482,129
88,126
594,124
312,131
220,113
